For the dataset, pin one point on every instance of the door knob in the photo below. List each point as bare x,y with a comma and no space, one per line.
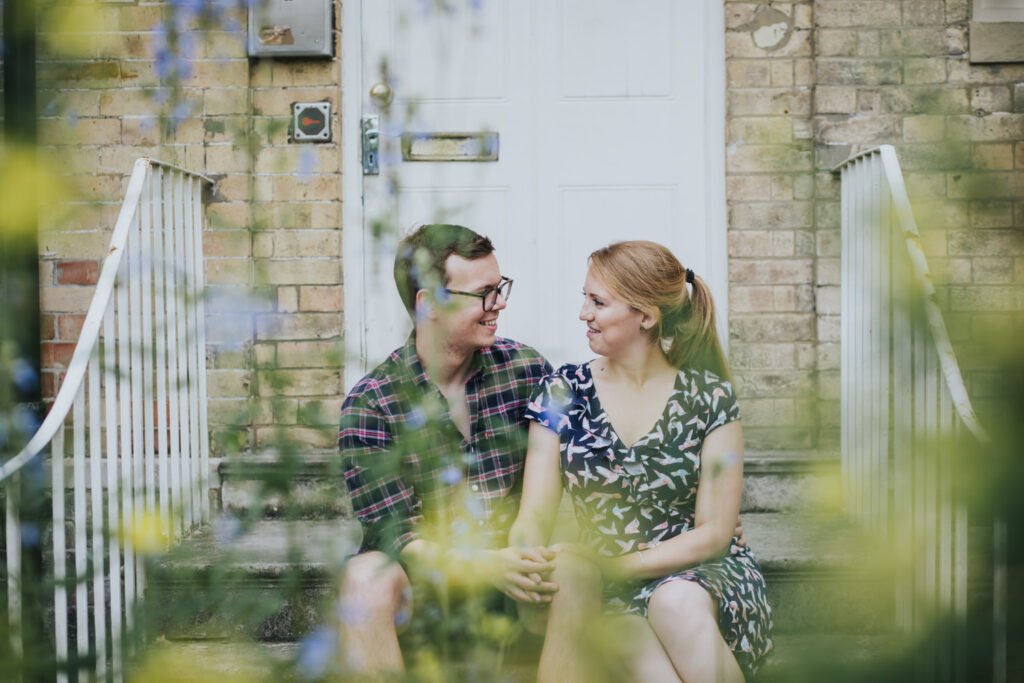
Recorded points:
381,94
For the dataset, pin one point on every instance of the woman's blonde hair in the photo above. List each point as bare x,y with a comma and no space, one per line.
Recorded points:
648,277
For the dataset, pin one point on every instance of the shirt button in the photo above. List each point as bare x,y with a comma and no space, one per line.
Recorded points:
475,487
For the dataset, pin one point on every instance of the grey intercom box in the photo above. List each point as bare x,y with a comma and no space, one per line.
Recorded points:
290,28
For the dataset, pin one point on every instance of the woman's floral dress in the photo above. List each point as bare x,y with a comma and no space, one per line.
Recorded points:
628,498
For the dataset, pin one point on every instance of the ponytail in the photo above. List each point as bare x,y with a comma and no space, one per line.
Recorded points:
691,335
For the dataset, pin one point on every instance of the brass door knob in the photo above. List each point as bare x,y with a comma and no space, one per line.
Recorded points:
381,94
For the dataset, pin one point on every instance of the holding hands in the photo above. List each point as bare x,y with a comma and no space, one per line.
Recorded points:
522,573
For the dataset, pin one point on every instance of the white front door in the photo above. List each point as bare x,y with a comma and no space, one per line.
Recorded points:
609,117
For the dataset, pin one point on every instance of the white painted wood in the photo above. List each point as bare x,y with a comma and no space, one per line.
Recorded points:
583,159
181,280
60,574
193,351
199,307
161,363
118,420
80,519
900,373
12,525
97,546
119,480
132,466
177,504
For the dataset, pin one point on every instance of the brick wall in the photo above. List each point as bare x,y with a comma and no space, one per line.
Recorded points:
273,244
809,83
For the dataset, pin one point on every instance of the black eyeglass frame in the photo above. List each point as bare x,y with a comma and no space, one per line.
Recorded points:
505,283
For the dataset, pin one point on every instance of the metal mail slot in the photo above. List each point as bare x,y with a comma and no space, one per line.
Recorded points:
450,146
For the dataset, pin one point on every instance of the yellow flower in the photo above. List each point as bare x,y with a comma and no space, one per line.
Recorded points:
24,182
145,533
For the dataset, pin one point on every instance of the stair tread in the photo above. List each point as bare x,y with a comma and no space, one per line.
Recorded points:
792,652
781,541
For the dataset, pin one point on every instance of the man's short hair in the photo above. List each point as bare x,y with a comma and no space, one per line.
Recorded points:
420,261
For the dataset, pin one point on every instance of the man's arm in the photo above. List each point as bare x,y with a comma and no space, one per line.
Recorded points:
387,505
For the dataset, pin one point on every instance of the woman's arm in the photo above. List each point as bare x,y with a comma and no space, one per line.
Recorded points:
718,506
542,490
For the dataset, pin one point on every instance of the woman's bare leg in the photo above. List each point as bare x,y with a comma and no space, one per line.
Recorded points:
683,616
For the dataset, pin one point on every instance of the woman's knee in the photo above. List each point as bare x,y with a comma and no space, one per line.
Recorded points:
682,605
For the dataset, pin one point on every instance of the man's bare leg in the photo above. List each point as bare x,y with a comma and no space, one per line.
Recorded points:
572,618
375,596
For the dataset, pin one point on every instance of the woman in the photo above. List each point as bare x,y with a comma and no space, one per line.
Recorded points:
649,446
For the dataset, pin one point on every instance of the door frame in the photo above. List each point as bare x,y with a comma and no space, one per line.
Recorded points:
356,241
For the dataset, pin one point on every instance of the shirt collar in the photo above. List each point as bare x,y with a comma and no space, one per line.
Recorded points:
481,360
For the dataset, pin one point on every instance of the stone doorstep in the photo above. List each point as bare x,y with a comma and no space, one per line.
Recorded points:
251,661
773,481
255,586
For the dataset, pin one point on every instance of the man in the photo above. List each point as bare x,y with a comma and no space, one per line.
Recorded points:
434,442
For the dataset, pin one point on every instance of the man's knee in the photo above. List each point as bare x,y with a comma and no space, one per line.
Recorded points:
373,581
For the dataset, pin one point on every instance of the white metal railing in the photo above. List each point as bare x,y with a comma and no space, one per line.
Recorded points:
904,406
134,402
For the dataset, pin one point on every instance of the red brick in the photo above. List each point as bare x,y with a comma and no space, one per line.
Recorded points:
56,354
47,327
77,272
69,326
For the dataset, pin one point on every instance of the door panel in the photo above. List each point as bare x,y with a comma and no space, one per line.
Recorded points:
601,110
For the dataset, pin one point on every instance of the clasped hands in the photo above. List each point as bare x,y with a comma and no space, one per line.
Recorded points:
524,574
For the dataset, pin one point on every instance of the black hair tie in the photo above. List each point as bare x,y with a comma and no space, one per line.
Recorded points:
689,276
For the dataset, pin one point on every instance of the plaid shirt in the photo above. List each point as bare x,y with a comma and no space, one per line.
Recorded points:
409,470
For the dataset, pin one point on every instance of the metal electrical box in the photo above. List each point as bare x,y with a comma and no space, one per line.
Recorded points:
291,28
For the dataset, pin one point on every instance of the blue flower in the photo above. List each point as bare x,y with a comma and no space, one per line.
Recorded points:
25,378
226,529
307,164
450,475
316,651
417,419
26,420
30,534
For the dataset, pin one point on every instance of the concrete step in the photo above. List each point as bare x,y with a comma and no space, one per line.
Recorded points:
273,579
310,486
807,657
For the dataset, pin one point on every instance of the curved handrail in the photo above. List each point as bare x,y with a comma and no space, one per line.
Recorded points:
919,266
93,320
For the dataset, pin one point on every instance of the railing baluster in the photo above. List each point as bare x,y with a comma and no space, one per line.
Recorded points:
13,533
180,241
173,378
132,470
162,333
200,349
193,351
118,456
60,574
99,602
81,594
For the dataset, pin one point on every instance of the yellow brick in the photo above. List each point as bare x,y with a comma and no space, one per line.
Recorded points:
298,271
228,271
321,298
68,299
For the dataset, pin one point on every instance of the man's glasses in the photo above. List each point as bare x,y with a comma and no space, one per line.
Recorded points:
489,297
